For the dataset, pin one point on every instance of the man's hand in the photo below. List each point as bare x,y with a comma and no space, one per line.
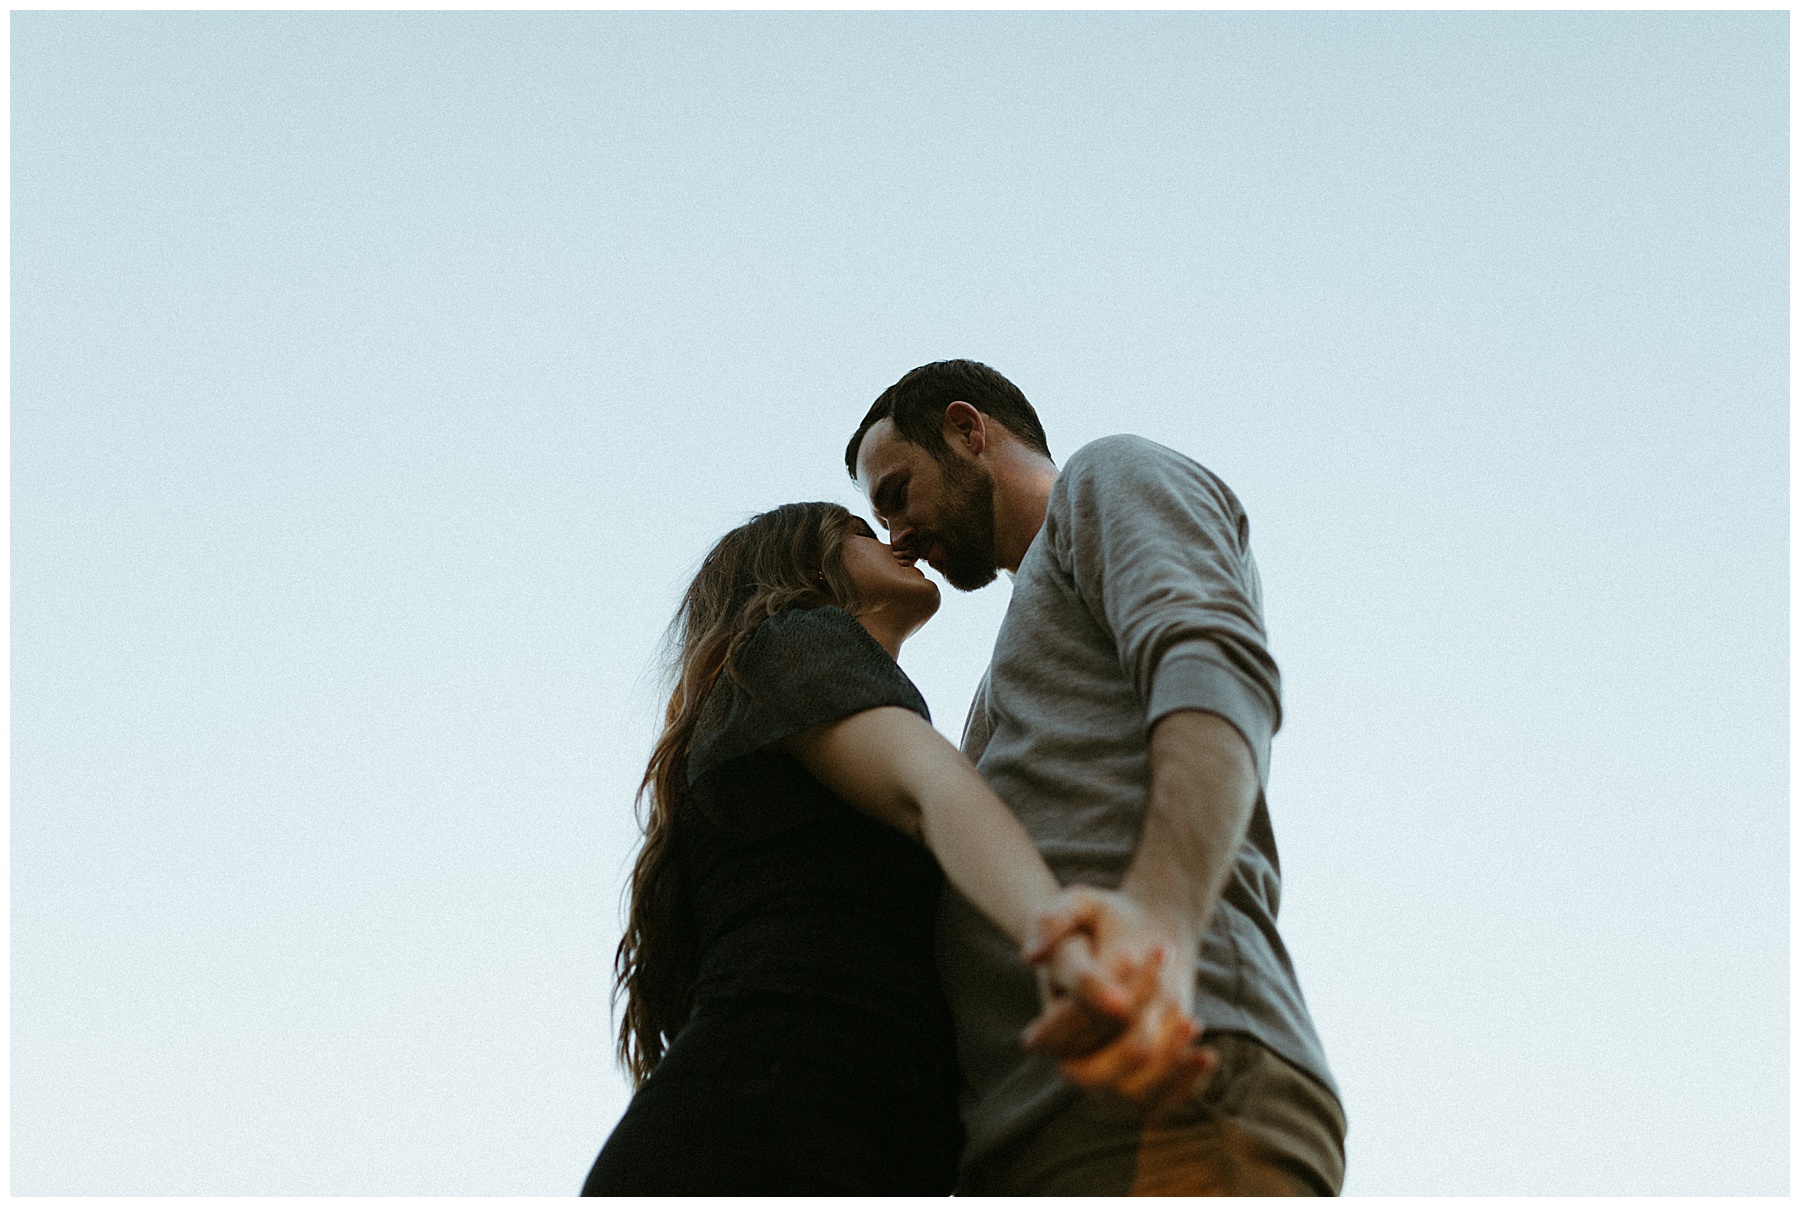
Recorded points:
1118,999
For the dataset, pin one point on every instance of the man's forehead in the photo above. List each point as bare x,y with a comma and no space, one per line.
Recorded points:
882,450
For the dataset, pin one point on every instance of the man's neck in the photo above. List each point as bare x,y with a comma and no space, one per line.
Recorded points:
1022,483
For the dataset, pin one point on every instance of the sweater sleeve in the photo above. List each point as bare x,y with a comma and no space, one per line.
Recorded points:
1158,549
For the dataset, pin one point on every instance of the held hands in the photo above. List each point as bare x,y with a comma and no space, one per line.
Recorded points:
1118,999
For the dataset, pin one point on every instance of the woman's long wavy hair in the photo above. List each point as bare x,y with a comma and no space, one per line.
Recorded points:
783,559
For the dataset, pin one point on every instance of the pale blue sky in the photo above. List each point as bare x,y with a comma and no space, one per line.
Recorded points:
378,379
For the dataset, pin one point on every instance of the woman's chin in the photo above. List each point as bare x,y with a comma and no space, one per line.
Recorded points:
929,603
922,608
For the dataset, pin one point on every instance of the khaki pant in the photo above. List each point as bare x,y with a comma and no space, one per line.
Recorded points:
1260,1127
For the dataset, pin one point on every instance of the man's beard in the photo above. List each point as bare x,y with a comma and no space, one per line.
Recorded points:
965,528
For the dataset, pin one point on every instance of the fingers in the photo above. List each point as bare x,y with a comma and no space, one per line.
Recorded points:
1197,1068
1136,1056
1075,970
1070,966
1091,1008
1109,1019
1141,980
1084,1010
1073,910
1166,1061
1066,1029
1154,1060
1070,962
1171,1078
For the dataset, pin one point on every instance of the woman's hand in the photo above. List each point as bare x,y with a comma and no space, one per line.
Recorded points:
1118,999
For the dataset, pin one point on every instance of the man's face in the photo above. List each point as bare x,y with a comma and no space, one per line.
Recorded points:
938,511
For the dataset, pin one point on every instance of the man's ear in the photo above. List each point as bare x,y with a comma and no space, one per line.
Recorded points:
965,425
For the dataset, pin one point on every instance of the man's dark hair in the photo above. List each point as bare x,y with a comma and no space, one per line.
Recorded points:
917,401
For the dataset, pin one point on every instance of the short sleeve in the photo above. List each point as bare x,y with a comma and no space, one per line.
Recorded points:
799,669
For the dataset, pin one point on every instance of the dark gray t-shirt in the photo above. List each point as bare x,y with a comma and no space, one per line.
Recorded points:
790,889
1138,598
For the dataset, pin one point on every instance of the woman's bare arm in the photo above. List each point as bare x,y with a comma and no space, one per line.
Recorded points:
890,763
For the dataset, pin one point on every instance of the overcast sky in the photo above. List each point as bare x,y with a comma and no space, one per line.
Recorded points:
379,379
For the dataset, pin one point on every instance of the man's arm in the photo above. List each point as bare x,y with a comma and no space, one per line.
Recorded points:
1158,550
1203,788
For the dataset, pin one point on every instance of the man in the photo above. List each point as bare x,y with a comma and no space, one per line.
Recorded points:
1126,719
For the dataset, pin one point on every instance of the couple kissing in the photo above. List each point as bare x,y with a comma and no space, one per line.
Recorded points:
861,961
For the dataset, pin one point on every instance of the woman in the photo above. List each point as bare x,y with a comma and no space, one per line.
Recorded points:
783,1022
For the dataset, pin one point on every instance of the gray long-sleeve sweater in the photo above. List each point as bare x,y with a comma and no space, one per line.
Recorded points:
1138,598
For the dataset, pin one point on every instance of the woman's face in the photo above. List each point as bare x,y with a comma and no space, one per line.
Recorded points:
891,586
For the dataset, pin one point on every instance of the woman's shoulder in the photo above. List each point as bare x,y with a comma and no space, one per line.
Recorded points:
784,641
802,623
798,669
814,659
